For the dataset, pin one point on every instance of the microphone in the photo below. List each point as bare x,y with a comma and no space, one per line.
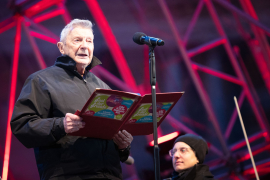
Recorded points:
141,38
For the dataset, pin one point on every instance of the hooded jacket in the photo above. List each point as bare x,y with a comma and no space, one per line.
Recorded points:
37,122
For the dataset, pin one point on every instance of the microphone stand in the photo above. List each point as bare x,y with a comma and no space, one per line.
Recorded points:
152,69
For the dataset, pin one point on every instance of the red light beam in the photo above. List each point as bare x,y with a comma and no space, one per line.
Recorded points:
165,138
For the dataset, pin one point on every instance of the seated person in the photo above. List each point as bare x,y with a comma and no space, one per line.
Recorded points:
188,154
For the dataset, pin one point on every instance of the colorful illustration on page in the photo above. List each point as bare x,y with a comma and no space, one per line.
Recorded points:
109,106
144,113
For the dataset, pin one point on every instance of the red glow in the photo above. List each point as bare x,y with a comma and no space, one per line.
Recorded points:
12,98
165,138
114,47
247,156
194,66
260,170
38,55
216,73
7,24
206,47
249,171
251,9
263,165
261,63
43,37
41,6
49,15
243,143
193,122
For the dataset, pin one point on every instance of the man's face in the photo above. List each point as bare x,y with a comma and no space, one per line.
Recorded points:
79,45
184,157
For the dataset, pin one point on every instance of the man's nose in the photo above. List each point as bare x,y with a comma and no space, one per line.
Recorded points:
84,44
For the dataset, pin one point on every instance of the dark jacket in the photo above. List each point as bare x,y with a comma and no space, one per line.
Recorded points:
197,172
37,122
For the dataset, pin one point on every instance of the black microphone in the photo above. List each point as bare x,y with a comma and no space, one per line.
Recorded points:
141,38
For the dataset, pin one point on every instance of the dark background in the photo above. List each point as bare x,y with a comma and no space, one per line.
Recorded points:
125,18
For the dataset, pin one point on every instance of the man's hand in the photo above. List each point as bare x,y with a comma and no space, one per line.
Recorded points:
123,139
73,123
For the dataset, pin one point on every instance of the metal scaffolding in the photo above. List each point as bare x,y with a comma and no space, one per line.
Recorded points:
33,15
240,79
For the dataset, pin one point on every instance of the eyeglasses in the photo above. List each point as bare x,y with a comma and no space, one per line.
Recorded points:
183,150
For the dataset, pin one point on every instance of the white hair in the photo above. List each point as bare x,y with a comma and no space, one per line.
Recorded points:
75,23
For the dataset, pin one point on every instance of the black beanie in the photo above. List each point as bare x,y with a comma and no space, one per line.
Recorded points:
197,143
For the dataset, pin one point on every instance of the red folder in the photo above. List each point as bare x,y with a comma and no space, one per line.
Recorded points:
108,111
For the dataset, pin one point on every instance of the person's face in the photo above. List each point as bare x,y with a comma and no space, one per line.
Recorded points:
79,45
184,157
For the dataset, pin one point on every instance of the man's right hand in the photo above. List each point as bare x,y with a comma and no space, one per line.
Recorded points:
73,123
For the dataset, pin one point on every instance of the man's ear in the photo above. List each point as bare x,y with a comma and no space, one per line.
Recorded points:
60,46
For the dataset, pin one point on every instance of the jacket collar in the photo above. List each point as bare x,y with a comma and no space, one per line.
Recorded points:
68,63
194,173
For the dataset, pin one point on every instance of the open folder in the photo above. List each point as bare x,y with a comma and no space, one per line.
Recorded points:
108,111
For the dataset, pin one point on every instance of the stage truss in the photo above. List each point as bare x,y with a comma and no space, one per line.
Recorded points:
25,20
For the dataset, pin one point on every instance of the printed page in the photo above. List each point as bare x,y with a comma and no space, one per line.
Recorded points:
144,113
109,106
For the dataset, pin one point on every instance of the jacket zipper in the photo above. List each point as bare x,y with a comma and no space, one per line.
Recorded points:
85,82
104,163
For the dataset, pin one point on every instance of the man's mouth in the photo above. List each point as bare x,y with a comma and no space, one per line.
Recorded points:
82,55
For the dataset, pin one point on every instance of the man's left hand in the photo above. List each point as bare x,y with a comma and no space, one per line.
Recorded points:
123,139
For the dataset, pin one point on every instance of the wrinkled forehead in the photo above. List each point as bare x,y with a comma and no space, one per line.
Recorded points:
80,31
180,145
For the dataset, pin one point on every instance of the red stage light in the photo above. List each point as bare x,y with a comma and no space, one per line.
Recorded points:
165,138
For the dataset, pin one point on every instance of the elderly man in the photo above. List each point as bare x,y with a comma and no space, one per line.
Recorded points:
188,154
44,114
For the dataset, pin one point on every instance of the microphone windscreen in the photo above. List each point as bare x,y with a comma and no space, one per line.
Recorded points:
137,37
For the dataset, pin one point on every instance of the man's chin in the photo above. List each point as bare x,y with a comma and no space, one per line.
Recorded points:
83,61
